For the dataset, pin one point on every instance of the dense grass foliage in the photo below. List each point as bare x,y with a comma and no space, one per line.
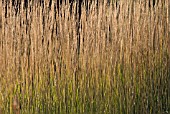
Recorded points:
115,62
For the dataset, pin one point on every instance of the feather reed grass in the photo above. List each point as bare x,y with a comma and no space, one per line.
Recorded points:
118,63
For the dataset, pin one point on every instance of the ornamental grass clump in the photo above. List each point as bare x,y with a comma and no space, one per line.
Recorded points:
114,58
